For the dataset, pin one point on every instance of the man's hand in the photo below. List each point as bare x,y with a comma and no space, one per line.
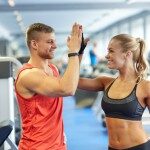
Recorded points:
74,40
83,44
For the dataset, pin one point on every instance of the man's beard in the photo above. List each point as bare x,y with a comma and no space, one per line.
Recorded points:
46,56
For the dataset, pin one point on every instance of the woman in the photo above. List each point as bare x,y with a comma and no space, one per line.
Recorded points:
125,97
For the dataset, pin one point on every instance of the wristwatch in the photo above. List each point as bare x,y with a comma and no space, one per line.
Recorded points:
73,54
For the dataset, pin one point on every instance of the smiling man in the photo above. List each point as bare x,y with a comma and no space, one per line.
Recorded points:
40,89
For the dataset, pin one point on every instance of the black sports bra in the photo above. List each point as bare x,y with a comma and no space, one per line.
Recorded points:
127,108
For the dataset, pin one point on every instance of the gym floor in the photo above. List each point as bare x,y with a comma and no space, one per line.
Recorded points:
82,129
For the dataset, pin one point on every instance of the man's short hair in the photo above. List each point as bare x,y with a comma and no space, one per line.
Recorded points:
34,29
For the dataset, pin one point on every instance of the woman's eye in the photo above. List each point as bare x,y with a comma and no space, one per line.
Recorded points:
110,51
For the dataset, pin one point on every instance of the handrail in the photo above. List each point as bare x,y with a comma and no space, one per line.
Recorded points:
12,59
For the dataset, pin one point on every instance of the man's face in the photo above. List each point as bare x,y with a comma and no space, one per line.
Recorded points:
46,45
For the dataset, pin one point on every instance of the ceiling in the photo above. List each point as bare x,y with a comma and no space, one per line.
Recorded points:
61,14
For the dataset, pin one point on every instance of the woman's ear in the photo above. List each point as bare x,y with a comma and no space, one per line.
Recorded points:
128,54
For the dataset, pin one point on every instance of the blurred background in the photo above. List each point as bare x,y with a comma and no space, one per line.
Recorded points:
101,19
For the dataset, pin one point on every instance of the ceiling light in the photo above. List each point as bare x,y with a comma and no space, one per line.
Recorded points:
11,3
136,1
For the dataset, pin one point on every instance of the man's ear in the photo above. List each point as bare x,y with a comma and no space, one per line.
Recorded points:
34,44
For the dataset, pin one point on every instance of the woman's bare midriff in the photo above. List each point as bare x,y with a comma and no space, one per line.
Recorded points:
125,133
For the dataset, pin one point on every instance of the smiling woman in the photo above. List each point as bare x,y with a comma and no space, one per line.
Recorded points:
125,97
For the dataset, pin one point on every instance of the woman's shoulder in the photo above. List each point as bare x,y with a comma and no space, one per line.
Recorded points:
144,81
144,84
144,88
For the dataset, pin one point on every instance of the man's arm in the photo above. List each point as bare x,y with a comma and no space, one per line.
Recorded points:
36,81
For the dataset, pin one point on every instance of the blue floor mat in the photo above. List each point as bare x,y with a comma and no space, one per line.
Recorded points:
83,131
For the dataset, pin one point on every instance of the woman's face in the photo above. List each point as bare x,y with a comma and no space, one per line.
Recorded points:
116,57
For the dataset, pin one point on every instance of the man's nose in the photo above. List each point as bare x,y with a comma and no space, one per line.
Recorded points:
54,45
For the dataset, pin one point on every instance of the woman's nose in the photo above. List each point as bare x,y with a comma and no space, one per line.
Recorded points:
107,56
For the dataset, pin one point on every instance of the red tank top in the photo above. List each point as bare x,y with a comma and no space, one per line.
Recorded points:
42,123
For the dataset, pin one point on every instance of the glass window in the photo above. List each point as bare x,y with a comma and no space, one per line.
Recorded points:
147,38
124,28
104,43
137,28
114,31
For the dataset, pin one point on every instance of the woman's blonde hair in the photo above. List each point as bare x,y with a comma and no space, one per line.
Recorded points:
137,47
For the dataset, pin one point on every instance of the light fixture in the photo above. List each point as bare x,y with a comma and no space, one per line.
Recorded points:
136,1
19,20
11,3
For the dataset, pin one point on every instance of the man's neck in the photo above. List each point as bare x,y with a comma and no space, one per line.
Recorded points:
39,63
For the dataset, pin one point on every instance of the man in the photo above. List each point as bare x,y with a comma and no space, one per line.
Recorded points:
39,88
94,58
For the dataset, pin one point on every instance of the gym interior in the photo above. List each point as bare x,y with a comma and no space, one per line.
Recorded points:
84,120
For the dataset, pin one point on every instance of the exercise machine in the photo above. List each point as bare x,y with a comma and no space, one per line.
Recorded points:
8,67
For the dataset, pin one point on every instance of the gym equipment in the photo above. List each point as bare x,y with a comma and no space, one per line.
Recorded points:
7,101
5,130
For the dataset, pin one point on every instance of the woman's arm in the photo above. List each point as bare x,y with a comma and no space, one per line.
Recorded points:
95,84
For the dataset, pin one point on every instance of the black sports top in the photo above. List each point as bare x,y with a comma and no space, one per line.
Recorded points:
127,108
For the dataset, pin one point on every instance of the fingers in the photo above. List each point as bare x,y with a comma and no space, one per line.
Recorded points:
73,29
74,41
81,31
76,30
86,40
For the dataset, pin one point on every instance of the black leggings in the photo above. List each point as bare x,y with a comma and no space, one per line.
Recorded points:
144,146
